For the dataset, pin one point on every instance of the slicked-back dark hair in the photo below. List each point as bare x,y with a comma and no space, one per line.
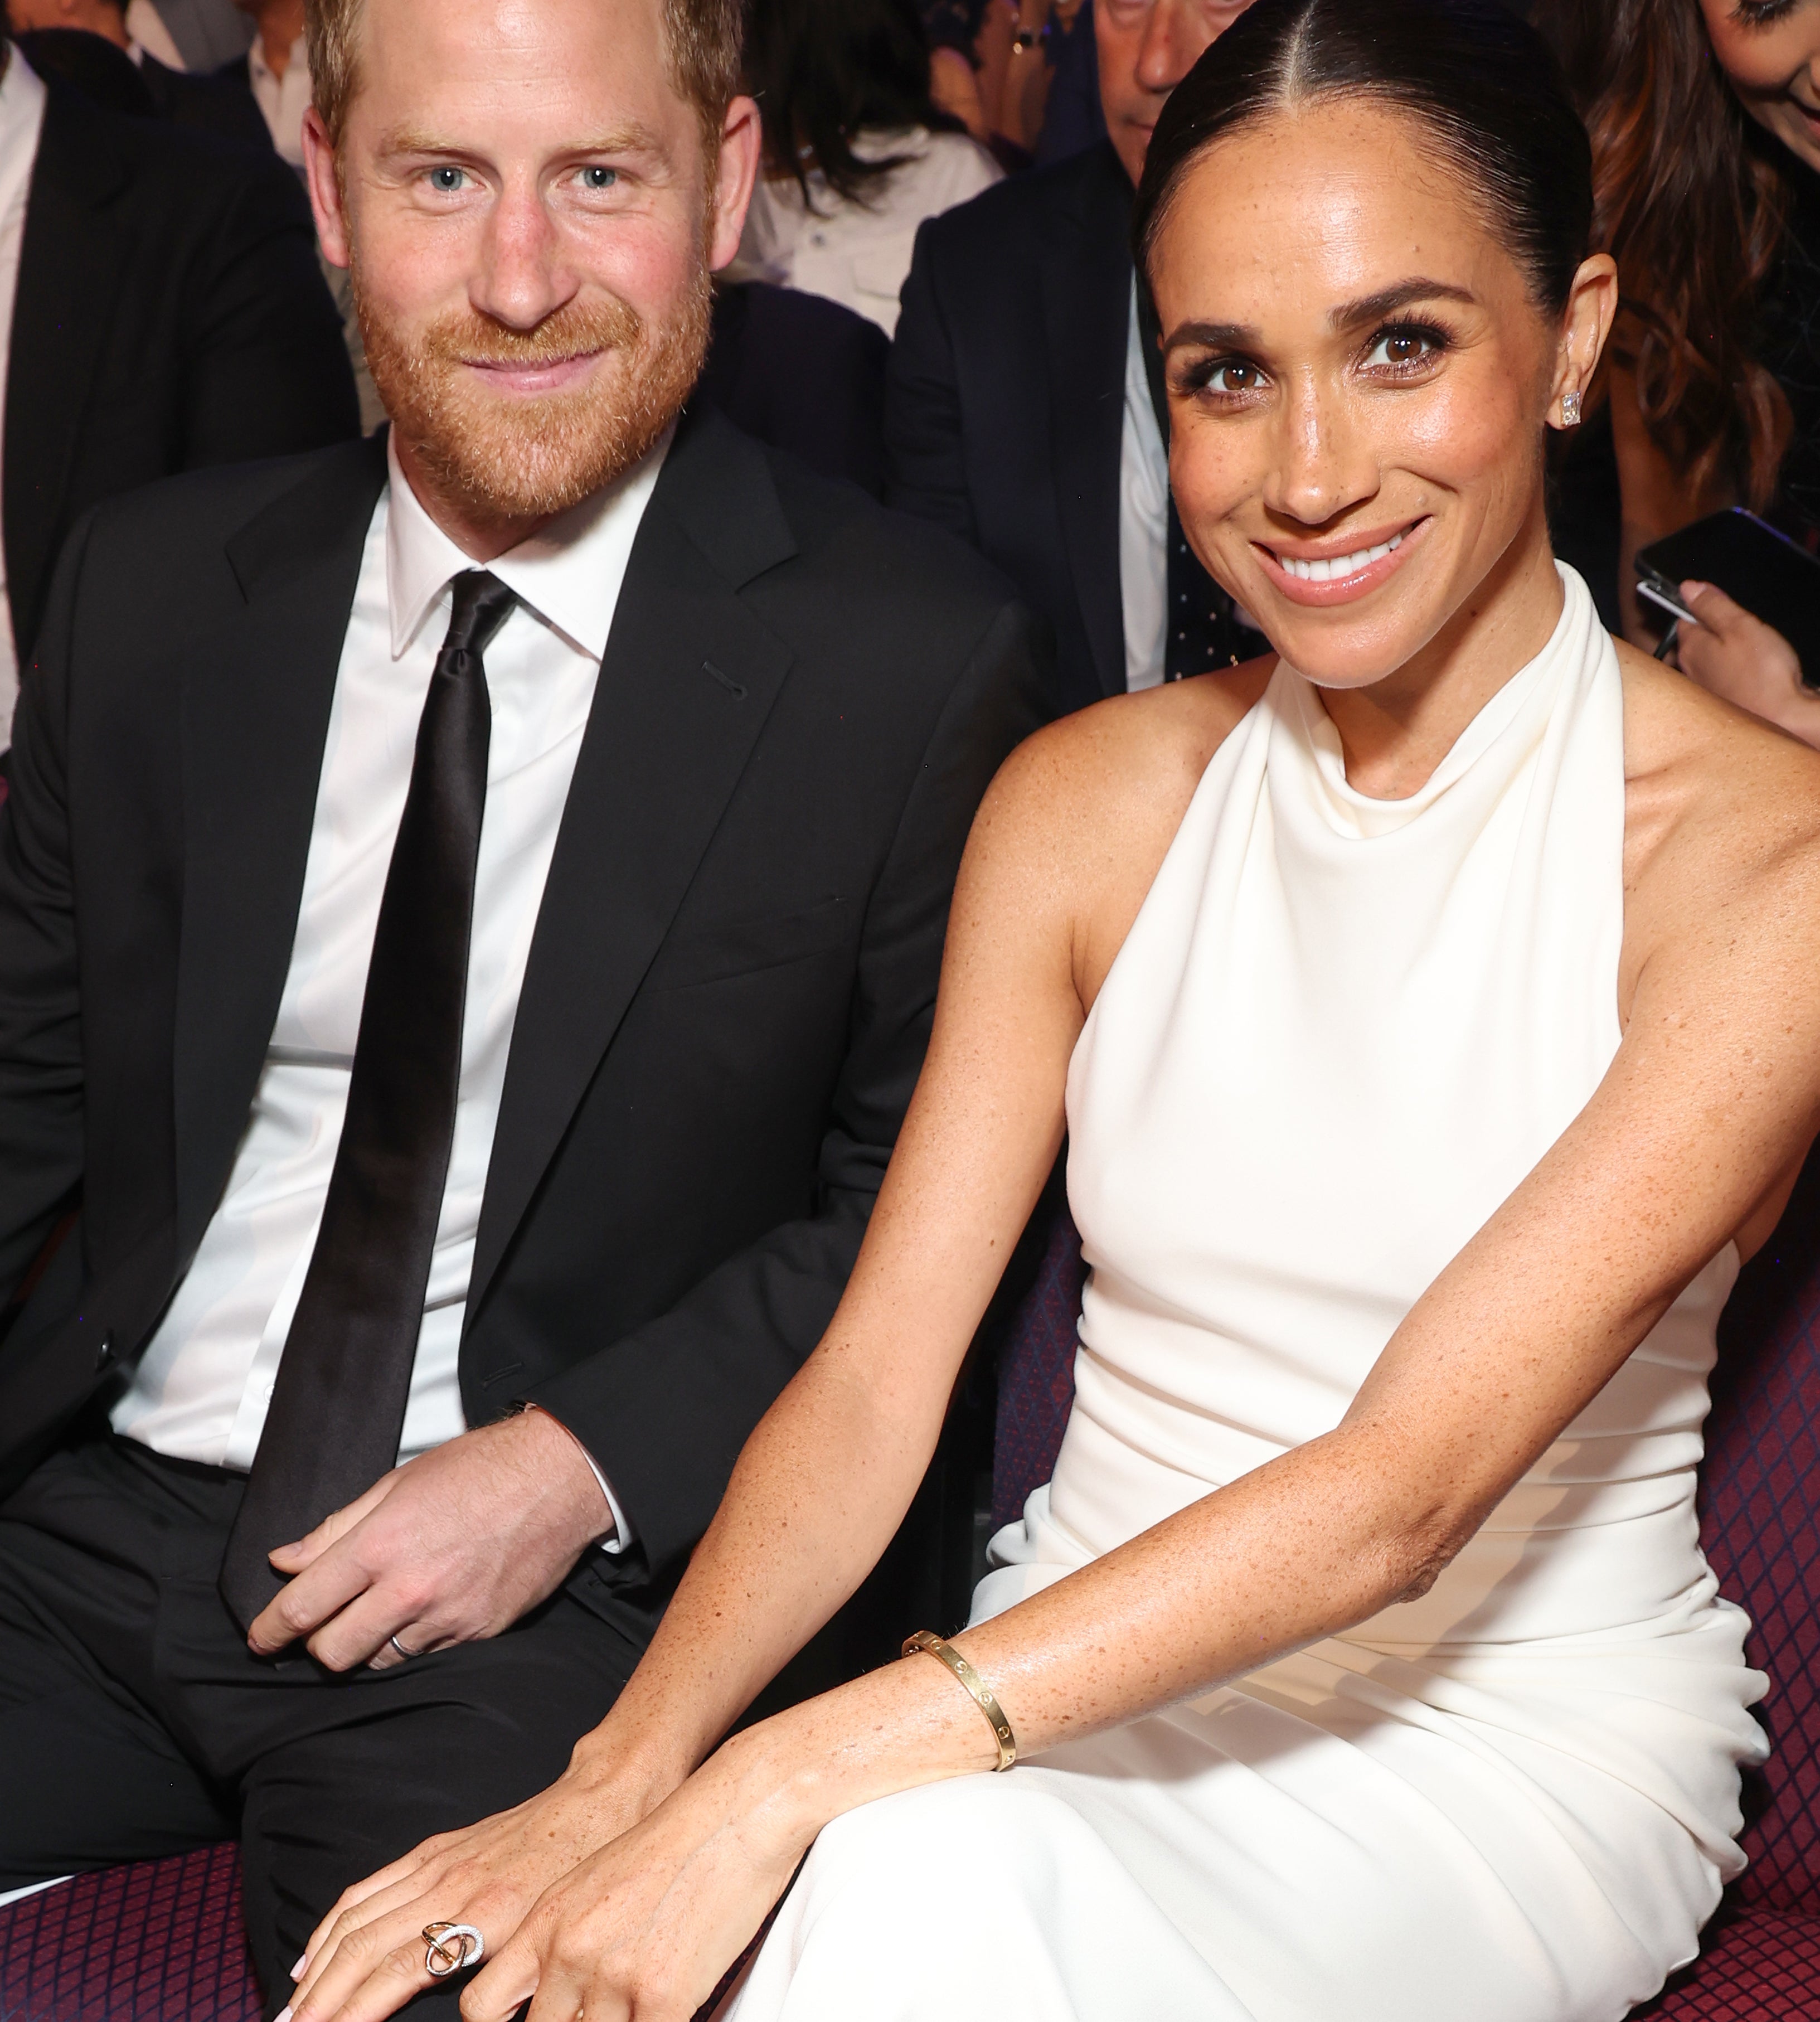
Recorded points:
1483,83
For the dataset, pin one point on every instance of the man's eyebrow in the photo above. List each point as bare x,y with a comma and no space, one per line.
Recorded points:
1399,295
627,140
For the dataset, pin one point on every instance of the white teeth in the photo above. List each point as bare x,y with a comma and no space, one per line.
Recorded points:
1341,566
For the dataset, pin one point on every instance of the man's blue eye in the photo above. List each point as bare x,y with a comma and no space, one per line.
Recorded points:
446,180
595,177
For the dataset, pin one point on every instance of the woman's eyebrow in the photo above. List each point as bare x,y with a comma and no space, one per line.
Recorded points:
1399,295
1215,336
1348,316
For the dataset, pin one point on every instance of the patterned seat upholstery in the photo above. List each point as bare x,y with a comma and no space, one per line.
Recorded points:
1761,1528
1036,1373
161,1941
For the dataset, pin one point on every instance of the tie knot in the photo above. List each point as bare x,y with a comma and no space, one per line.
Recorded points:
481,605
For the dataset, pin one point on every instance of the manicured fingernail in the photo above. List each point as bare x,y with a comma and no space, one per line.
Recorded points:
283,2015
302,1967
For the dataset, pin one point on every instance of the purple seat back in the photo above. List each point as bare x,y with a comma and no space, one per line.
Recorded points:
160,1941
1760,1509
1036,1372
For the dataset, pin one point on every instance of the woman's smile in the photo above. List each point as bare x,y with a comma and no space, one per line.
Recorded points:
1313,575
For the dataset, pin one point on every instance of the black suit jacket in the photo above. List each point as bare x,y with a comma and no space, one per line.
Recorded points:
170,313
214,103
728,993
803,373
1006,397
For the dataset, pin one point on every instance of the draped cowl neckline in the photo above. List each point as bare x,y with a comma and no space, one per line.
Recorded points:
1481,761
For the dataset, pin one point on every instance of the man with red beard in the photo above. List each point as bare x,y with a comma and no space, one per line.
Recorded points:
470,909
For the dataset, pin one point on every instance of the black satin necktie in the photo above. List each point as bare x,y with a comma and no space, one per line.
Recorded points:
338,1406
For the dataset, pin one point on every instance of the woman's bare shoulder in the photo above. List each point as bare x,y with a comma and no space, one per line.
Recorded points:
1719,808
1126,765
1711,765
1076,826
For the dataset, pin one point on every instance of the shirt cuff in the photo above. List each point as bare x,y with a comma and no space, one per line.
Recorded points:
622,1532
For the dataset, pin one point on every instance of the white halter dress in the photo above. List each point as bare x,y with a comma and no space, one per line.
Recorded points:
1340,1034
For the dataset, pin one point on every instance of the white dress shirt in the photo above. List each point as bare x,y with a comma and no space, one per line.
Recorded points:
856,251
1143,520
202,1388
22,96
284,100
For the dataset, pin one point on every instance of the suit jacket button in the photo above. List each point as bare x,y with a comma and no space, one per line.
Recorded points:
104,1354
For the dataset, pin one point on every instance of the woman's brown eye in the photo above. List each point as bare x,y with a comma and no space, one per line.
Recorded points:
1235,378
1402,346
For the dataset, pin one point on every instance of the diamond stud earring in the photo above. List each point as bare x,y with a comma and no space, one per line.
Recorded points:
1570,409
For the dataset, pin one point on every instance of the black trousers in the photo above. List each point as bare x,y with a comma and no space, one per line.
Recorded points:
135,1722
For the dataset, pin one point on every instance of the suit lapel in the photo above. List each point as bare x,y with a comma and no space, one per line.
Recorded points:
256,692
61,313
1086,278
687,680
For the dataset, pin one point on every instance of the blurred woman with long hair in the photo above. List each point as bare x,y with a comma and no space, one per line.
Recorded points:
1705,120
856,152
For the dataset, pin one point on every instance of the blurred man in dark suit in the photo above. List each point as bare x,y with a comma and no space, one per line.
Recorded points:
273,75
803,373
1024,407
168,92
164,310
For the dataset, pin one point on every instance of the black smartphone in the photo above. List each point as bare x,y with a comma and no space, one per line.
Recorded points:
1744,556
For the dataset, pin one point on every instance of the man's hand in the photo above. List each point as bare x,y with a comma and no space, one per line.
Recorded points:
1741,659
452,1547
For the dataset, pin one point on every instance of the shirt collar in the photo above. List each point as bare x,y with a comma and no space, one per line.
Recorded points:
569,573
22,102
259,69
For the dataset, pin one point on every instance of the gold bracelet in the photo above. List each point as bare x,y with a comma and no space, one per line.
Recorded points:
976,1685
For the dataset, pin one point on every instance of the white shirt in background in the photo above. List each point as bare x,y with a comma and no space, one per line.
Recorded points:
150,38
202,1388
22,99
1143,521
283,100
858,252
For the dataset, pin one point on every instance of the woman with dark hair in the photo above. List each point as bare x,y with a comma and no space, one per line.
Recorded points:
1429,1009
856,155
1704,116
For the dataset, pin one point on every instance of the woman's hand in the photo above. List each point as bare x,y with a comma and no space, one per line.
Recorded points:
1742,661
366,1959
648,1926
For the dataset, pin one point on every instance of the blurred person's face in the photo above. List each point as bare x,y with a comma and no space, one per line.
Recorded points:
1770,51
99,17
530,214
1146,47
1359,381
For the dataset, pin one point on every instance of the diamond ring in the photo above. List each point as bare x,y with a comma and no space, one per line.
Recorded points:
451,1946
